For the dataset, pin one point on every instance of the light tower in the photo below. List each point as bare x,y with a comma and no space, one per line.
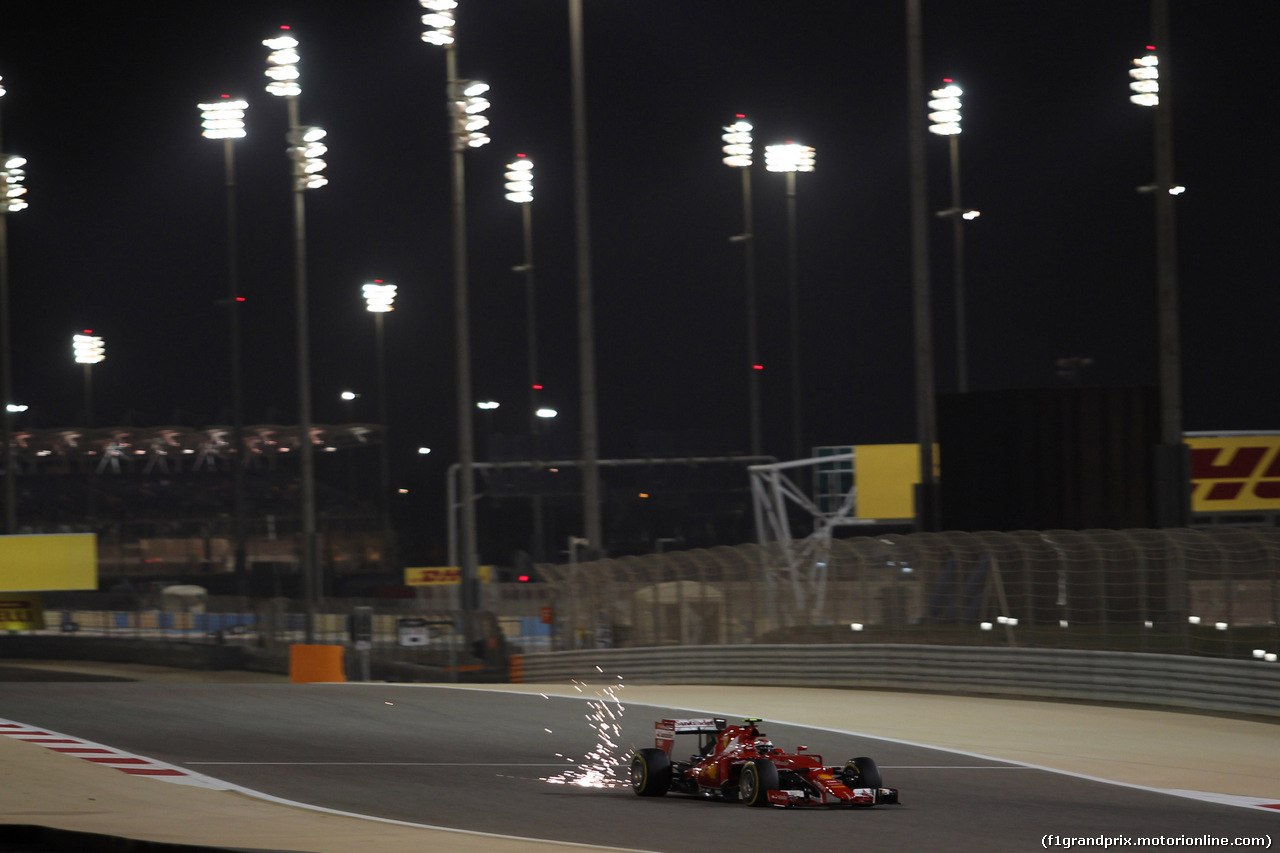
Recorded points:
944,120
789,159
12,200
305,153
466,126
738,155
224,119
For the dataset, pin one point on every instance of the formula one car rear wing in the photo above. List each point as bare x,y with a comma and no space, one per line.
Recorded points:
665,731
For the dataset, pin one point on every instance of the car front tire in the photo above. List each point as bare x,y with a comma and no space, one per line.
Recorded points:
758,778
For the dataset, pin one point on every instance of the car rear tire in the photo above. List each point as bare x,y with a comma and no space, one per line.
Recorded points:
757,779
864,772
650,772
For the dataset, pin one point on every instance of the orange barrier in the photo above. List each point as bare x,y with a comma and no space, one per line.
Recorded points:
316,663
516,669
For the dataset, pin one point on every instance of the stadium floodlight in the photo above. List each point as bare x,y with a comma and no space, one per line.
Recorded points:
223,119
468,104
306,150
737,143
282,66
87,348
1146,80
440,19
519,179
789,157
12,191
378,296
944,103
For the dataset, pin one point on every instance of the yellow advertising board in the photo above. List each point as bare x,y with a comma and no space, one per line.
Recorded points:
55,561
21,612
437,575
886,476
1231,473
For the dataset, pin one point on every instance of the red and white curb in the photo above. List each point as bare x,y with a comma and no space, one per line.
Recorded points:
97,753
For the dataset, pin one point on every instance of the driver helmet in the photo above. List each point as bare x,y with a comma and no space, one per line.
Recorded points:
763,745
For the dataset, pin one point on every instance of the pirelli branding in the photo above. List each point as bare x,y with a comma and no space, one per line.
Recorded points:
1235,473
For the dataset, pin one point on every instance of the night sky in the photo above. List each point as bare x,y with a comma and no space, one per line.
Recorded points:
125,230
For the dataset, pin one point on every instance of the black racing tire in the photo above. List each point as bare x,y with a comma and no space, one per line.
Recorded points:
650,772
864,771
757,779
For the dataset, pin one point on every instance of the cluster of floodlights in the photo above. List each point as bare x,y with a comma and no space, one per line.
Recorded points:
11,178
306,150
378,296
520,180
944,118
1146,80
469,124
87,348
737,143
789,157
282,66
223,119
439,18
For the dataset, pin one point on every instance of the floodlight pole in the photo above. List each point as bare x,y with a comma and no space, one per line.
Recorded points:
6,385
237,388
1178,475
468,558
6,375
311,581
926,423
586,330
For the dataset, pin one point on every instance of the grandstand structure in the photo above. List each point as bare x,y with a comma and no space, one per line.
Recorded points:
160,498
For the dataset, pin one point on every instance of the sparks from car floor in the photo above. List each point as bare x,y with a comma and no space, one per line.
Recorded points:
600,767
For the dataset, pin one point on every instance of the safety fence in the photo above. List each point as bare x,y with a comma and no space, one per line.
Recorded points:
1171,681
1212,592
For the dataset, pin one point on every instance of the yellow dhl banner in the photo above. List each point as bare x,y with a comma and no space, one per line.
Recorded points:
1230,473
434,575
21,612
48,561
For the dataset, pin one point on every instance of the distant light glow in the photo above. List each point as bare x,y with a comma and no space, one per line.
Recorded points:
789,157
488,405
546,413
423,451
349,395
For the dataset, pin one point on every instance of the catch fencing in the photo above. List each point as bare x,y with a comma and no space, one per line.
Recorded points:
1212,592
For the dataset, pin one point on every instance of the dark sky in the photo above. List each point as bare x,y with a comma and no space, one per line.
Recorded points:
124,233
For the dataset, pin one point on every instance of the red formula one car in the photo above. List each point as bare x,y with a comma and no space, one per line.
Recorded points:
739,763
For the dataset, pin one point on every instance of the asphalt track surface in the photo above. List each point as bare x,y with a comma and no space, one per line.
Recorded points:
476,760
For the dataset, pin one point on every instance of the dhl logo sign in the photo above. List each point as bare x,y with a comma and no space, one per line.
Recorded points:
1232,473
435,575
